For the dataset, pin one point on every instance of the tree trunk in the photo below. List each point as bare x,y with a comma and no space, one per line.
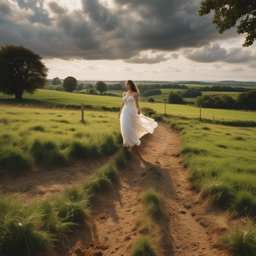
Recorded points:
100,92
18,95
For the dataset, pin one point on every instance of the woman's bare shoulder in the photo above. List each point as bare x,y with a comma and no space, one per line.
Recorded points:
124,93
135,94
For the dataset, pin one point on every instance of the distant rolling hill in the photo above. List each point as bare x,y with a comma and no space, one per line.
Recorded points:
223,83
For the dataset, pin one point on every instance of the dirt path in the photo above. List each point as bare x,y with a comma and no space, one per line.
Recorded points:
115,211
45,181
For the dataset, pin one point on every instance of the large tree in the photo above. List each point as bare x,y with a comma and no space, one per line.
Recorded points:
101,86
228,12
21,70
69,84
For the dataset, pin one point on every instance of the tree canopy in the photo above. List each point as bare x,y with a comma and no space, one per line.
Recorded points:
247,100
228,12
56,81
174,98
21,70
69,84
101,86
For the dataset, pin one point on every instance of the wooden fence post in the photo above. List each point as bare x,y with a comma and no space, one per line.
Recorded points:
165,106
82,109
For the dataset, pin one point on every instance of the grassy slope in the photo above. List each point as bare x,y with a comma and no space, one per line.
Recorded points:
46,137
48,97
222,161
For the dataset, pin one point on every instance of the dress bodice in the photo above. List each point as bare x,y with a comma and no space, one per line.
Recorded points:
129,101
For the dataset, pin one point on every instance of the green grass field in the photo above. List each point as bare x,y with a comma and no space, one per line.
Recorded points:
222,162
30,137
54,98
221,158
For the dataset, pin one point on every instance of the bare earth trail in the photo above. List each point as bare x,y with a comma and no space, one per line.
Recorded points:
115,211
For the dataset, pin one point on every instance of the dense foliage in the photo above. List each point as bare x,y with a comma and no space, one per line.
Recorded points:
69,84
191,93
219,88
227,13
101,86
245,100
151,92
56,81
21,70
174,98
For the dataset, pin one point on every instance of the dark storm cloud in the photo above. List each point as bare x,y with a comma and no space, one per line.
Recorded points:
99,32
40,15
217,53
4,9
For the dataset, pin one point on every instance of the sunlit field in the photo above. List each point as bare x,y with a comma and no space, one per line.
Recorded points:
48,137
56,98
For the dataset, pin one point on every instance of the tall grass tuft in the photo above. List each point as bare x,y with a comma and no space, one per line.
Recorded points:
151,200
50,222
119,158
14,160
110,171
95,184
144,246
218,193
20,232
72,210
240,241
108,145
48,153
245,203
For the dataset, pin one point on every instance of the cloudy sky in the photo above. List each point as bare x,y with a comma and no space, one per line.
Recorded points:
126,39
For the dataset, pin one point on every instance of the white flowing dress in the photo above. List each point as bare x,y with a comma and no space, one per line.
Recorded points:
134,126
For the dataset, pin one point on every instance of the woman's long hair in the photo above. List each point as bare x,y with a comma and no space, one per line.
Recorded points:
134,87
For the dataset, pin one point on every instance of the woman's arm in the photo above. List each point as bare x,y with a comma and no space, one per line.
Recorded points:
137,103
121,107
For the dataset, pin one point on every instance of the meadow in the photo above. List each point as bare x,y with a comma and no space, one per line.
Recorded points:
30,137
220,157
221,160
62,99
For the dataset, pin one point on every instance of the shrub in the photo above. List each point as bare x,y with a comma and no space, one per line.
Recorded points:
150,100
174,98
91,91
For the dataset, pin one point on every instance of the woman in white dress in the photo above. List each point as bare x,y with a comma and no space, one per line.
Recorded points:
133,124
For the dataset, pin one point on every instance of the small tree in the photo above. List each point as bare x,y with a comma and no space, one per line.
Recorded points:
174,98
21,70
101,86
69,84
151,100
56,81
91,91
